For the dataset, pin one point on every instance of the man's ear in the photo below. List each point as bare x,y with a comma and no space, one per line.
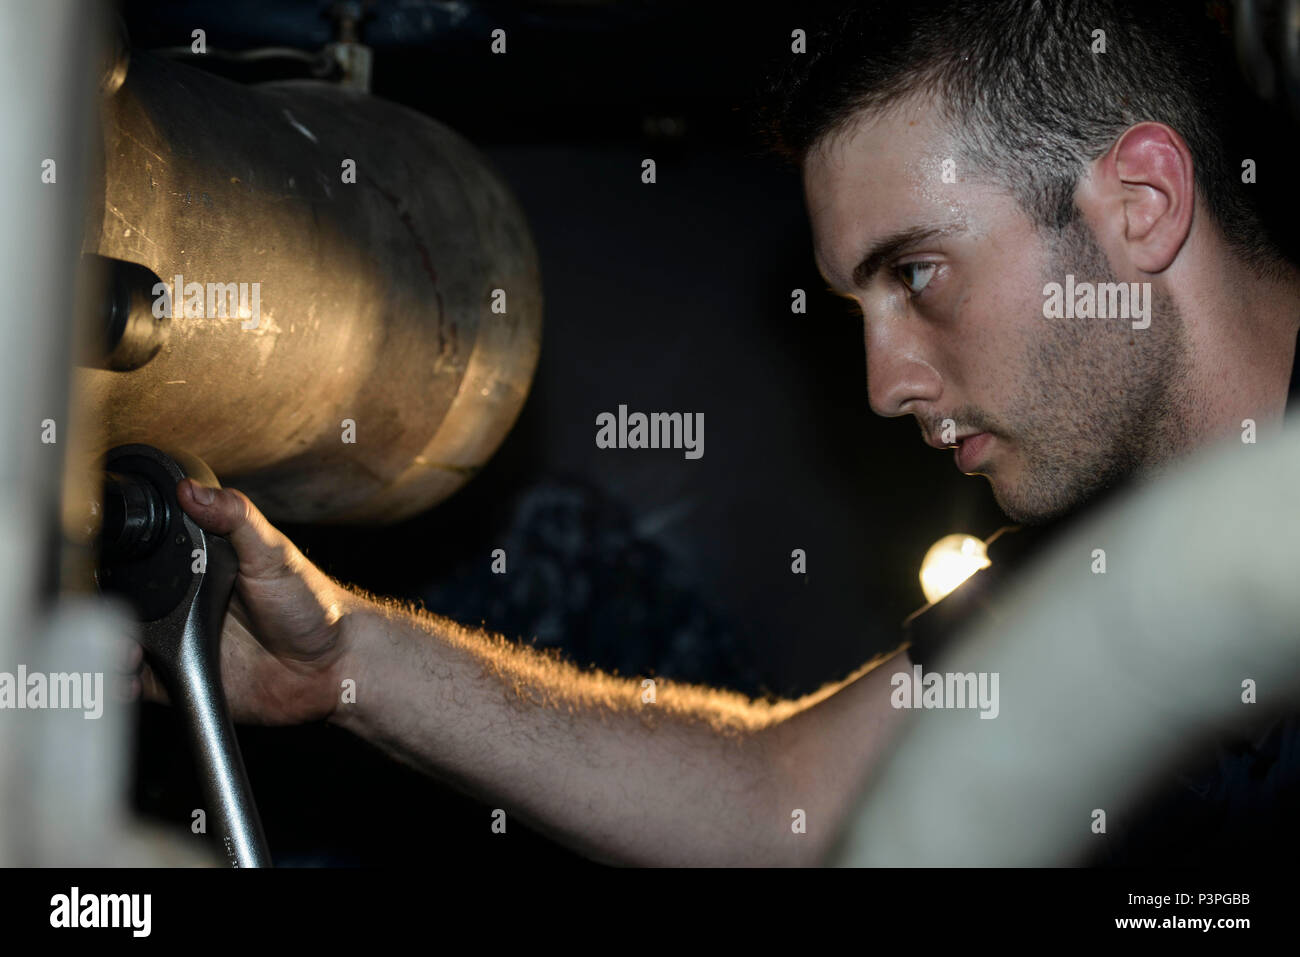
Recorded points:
1141,194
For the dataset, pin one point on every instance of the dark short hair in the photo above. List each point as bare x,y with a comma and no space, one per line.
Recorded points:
1027,98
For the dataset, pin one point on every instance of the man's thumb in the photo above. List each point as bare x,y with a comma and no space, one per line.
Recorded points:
263,551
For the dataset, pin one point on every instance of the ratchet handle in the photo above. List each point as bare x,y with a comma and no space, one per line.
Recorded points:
193,679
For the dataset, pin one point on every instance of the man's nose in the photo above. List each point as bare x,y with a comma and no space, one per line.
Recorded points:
900,376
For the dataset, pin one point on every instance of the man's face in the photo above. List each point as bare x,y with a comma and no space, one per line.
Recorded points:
1050,410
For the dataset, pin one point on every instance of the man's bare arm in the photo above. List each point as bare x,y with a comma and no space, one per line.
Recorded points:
696,776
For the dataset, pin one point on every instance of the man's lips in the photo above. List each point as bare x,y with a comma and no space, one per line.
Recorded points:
972,450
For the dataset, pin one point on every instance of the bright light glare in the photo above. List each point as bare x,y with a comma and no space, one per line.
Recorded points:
949,562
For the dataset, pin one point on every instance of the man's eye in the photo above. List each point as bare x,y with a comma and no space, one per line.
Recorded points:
916,276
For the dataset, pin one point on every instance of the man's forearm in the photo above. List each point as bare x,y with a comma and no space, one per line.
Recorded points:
685,775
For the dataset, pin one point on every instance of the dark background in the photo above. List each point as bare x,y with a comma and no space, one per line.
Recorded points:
666,297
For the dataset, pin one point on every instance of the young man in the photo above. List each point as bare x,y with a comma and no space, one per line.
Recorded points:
958,159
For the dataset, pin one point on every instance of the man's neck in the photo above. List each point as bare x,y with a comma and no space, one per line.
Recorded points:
1242,333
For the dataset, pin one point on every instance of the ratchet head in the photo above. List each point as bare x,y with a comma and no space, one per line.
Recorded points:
152,554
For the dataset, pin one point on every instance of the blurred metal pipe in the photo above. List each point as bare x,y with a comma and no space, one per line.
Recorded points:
62,777
1104,679
43,109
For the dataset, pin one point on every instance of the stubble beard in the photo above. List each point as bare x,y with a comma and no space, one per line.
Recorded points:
1101,402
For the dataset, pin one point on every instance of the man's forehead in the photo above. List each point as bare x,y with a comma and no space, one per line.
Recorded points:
878,175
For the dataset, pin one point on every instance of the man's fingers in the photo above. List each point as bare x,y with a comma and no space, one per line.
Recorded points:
263,551
127,687
151,687
130,656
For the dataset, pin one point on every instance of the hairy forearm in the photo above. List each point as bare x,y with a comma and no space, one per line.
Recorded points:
685,775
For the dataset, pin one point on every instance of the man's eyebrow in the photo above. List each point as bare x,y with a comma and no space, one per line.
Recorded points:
892,245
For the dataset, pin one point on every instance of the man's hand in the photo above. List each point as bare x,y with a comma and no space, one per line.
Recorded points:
287,674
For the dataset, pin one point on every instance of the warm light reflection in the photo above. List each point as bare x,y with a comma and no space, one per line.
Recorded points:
949,562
